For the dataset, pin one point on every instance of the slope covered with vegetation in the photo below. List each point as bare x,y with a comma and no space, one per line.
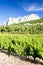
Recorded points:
23,44
32,27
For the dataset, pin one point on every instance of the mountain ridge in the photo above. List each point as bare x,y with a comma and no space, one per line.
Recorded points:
22,19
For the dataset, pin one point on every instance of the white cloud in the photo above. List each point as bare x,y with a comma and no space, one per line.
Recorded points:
34,8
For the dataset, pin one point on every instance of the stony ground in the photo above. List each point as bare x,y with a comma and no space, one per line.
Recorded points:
12,60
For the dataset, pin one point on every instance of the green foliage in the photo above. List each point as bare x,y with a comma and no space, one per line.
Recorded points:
23,44
32,27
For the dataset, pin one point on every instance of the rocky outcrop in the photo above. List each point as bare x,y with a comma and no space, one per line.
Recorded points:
22,19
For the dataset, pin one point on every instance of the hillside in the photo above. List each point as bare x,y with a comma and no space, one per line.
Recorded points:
32,27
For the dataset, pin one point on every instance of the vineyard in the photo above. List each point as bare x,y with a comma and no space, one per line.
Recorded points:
23,44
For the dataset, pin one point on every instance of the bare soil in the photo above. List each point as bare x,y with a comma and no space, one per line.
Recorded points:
13,60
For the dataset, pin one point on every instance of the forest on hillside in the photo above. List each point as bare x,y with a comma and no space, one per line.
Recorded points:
31,27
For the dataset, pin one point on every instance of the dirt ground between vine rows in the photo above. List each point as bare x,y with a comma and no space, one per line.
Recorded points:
13,60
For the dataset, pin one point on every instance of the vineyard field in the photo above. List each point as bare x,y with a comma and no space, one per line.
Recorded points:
23,44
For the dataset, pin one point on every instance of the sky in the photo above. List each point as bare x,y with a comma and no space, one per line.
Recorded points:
16,8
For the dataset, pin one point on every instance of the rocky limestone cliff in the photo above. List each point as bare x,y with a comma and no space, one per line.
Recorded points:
22,19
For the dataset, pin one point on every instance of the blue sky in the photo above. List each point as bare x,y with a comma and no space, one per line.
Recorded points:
16,8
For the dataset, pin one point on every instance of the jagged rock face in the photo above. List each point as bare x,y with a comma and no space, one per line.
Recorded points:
22,19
